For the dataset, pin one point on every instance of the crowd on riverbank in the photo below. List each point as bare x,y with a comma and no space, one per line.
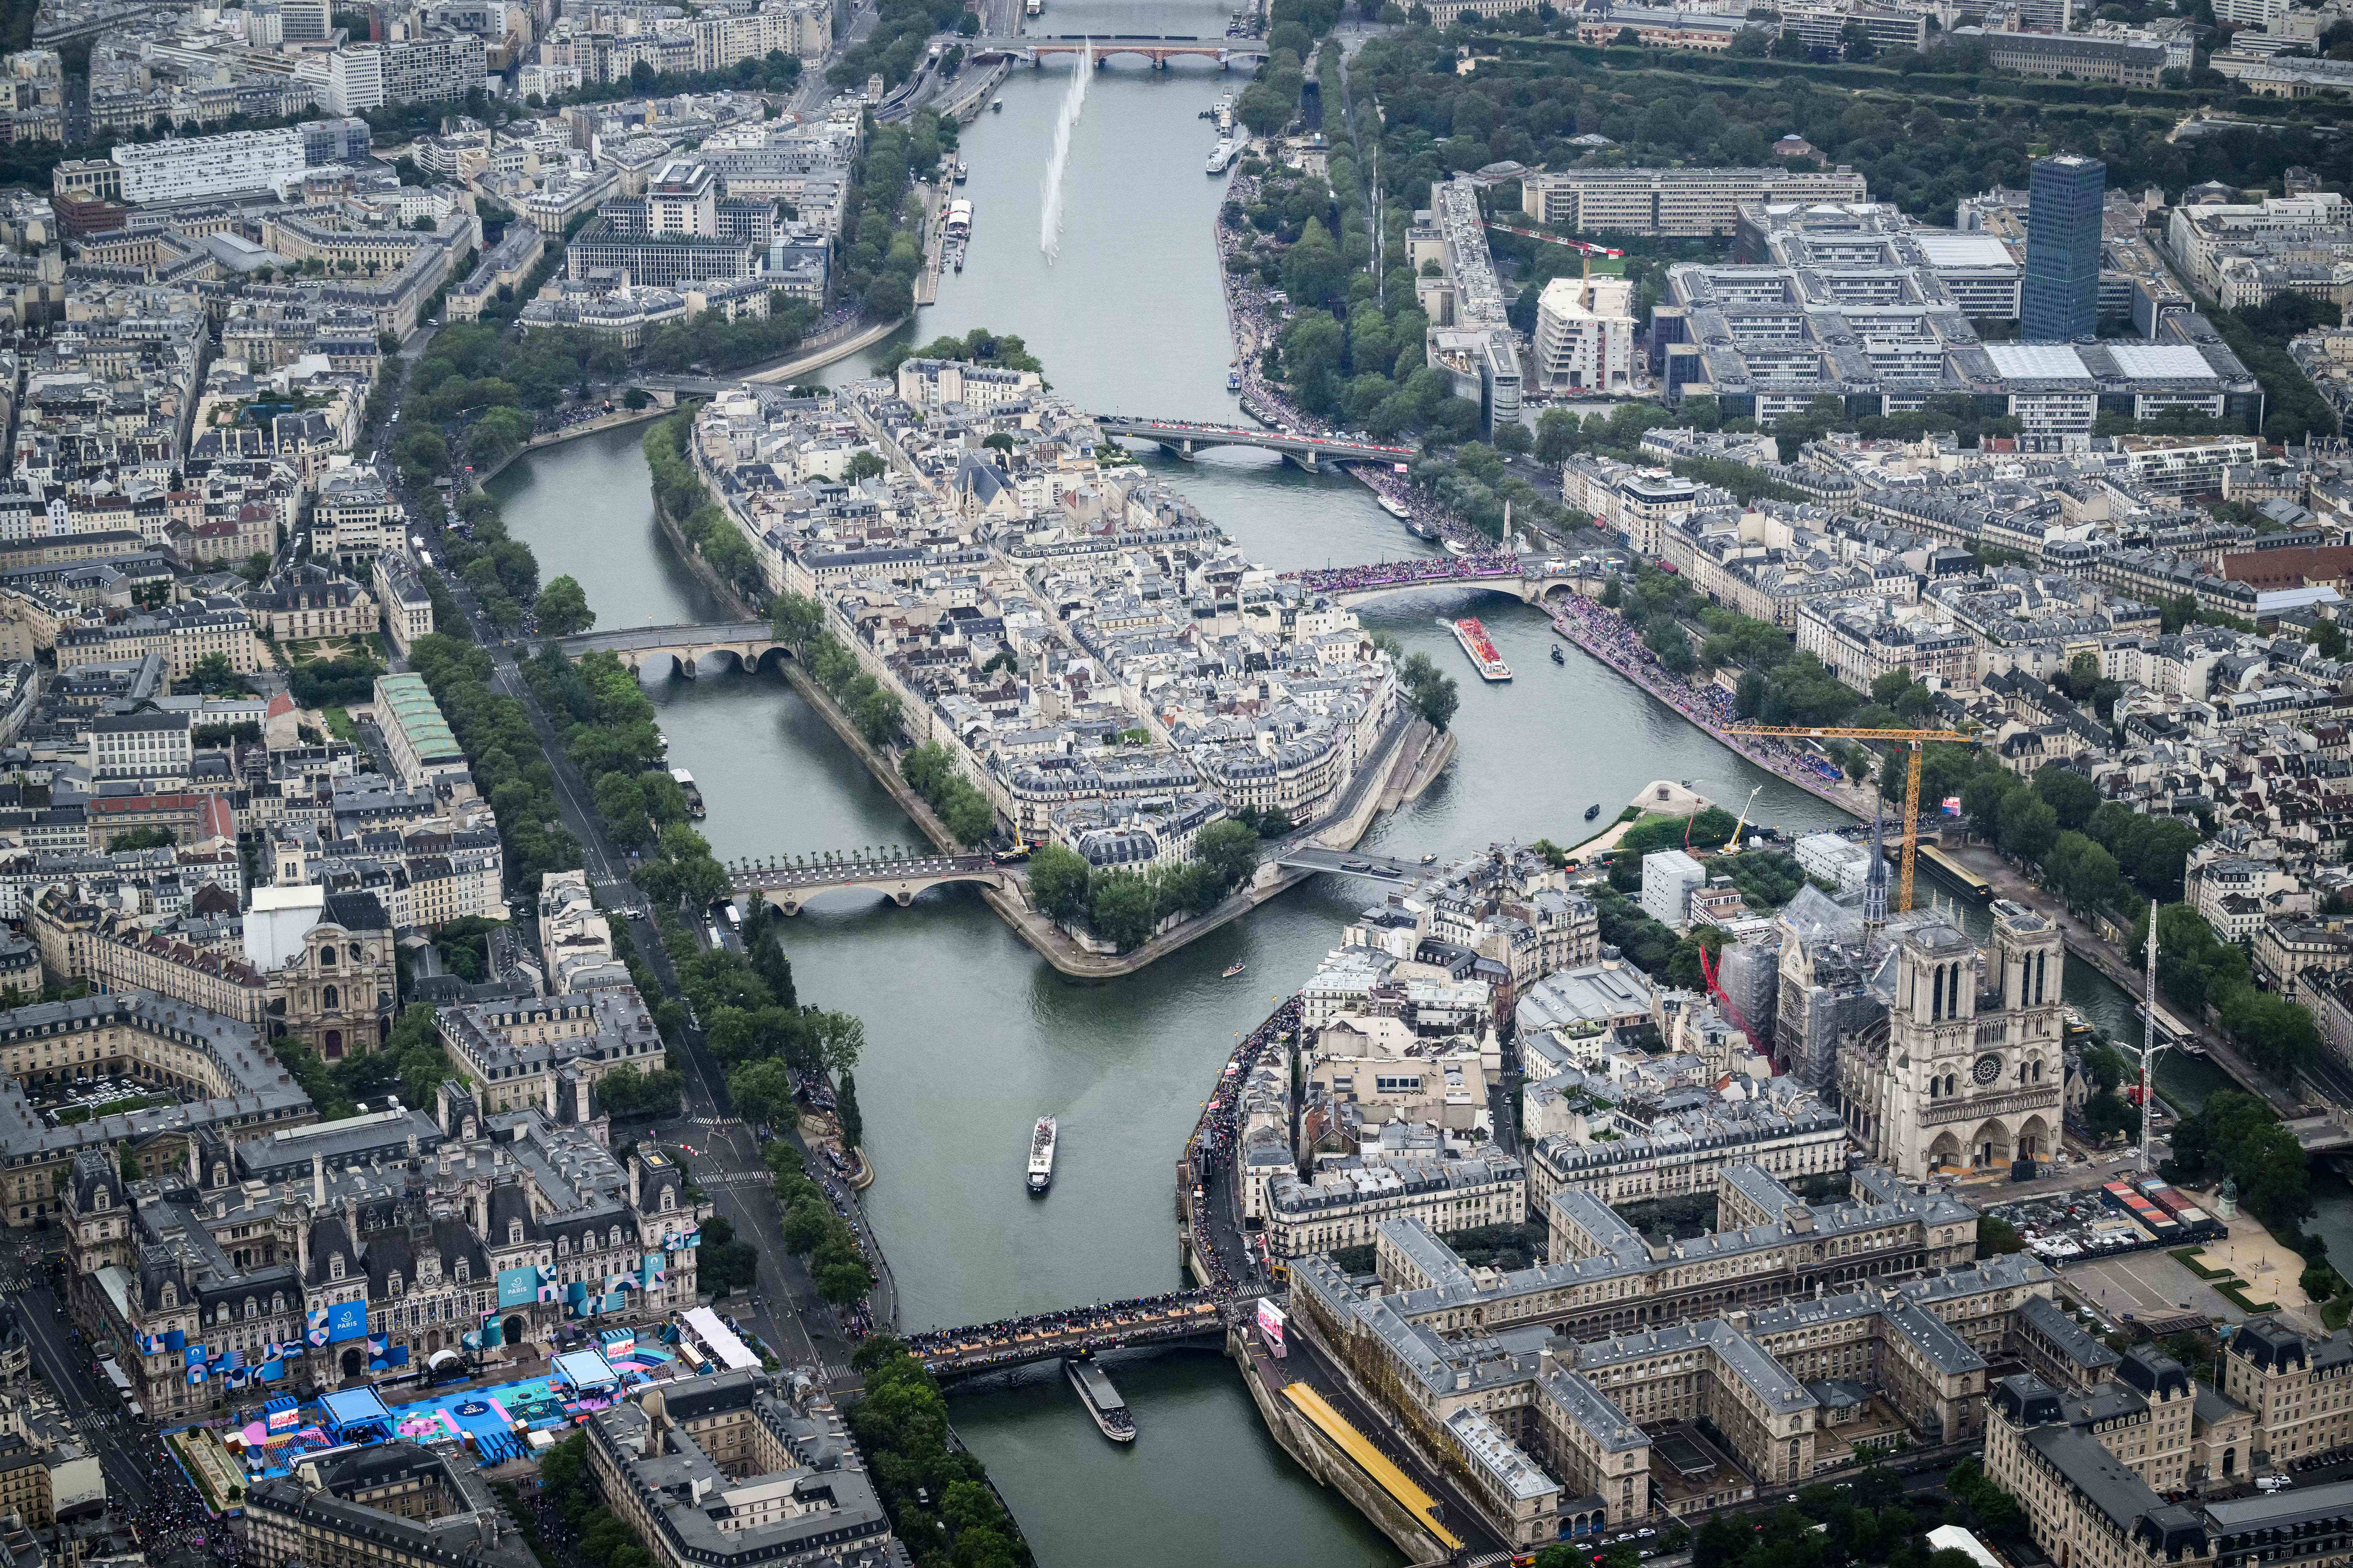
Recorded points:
1210,1153
857,1320
1612,638
1108,1325
1254,322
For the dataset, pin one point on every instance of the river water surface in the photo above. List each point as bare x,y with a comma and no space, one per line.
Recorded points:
971,1036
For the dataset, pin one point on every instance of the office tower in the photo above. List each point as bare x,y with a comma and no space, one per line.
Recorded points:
306,21
2062,248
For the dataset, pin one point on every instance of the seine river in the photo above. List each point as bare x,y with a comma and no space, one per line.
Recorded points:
970,1036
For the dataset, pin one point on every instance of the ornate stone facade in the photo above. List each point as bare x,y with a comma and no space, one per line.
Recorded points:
1967,1071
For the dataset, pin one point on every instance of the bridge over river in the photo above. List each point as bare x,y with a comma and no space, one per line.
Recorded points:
2328,1133
1157,48
1527,578
898,877
1077,1330
1183,438
1307,856
689,650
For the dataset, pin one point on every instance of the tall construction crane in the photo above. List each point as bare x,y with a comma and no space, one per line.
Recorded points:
1915,739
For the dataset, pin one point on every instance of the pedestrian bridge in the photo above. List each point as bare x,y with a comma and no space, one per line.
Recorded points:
1183,438
1530,581
899,877
1157,48
998,1347
690,651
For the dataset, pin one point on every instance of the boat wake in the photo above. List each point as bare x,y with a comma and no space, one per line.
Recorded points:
1050,211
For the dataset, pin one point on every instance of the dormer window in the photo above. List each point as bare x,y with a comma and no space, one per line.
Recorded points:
461,1271
670,1200
514,1232
170,1296
103,1200
335,1266
392,1284
616,1242
563,1247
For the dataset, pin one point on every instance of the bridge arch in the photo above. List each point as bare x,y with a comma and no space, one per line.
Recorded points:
654,665
1538,592
790,889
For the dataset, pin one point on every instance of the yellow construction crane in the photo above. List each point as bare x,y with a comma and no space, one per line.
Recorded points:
1915,739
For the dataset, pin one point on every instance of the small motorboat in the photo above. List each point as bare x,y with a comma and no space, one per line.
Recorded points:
1593,811
1557,658
1236,967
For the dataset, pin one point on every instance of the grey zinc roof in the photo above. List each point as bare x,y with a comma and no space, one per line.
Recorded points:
1590,1408
1424,1353
1946,1350
1432,1257
2011,1269
1771,1381
2065,1335
2099,1475
2110,1402
1595,993
1760,1187
1513,1471
2281,1510
1630,1255
1612,1234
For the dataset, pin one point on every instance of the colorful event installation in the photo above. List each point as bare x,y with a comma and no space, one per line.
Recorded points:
720,1340
357,1416
589,1375
498,1423
232,1368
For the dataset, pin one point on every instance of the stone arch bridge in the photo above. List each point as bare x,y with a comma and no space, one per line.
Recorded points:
1530,582
715,646
898,878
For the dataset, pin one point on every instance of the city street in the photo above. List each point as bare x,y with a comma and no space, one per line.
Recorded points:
127,1451
722,1146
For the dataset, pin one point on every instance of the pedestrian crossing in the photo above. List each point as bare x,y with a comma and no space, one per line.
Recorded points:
92,1423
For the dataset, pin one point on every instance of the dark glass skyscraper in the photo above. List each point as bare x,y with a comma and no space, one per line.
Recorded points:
2062,249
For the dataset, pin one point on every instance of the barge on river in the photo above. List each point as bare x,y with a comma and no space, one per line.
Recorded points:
1473,638
1042,1156
1102,1400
